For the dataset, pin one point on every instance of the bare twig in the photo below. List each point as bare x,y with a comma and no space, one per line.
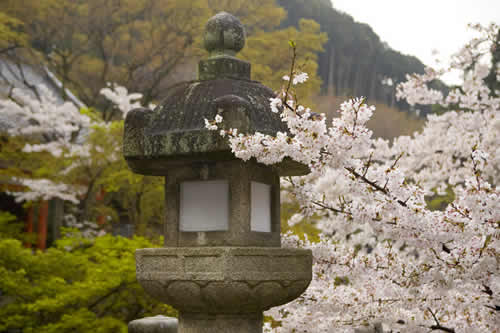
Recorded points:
438,326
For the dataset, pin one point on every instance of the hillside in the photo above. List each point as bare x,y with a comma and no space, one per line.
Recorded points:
387,122
148,47
355,61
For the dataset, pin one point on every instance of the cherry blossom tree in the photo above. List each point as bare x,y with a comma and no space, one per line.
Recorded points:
73,154
52,127
383,256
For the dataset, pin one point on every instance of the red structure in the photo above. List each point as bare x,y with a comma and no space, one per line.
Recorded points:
42,225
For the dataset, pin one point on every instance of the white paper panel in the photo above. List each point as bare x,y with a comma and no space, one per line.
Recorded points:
204,206
261,207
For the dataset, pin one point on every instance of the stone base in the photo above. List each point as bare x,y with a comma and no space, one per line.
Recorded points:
224,280
157,324
218,323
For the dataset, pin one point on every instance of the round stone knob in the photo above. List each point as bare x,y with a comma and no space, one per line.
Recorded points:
157,324
224,34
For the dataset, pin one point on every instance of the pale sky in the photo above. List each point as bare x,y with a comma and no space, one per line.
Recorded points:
416,27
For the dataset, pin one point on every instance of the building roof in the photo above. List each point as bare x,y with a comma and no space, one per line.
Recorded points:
28,78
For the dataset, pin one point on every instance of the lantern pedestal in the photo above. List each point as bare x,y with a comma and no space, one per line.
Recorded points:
223,289
206,323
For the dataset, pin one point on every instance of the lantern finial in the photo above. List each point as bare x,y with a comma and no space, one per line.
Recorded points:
224,35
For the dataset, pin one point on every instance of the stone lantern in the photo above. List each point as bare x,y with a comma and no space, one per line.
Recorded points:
222,264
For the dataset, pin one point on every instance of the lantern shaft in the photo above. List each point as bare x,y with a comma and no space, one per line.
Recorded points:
196,323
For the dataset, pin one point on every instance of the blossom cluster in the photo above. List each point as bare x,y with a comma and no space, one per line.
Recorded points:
122,99
45,189
54,124
384,256
86,229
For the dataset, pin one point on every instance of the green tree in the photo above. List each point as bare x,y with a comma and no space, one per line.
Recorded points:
130,197
148,45
9,226
107,188
78,286
88,43
11,31
270,66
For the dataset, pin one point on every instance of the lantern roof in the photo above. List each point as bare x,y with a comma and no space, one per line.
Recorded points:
174,132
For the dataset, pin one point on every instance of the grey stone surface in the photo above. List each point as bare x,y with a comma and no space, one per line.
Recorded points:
224,34
224,280
223,66
175,130
202,323
224,37
157,324
240,175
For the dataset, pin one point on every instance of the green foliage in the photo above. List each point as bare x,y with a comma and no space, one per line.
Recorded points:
88,43
78,286
11,33
10,227
14,161
92,114
110,188
341,280
129,196
301,229
148,45
269,66
256,15
440,202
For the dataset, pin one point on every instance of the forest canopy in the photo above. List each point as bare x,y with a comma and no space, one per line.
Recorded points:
148,45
